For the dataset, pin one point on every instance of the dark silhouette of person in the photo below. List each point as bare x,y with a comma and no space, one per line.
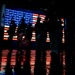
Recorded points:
55,68
11,32
43,43
1,36
8,68
39,29
1,41
12,28
55,37
73,50
22,26
70,40
72,63
17,68
27,69
21,32
29,31
54,31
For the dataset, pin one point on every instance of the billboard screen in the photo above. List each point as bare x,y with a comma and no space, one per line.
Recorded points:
17,14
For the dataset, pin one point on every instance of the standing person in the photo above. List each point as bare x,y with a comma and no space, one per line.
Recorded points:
39,42
55,37
70,40
17,68
1,41
22,26
21,32
11,32
27,45
43,44
73,46
8,68
1,37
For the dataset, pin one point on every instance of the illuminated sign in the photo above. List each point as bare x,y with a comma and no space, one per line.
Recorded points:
17,15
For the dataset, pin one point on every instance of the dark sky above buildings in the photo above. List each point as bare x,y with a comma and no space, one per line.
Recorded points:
60,6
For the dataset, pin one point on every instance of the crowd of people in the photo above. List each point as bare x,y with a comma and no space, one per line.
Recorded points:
49,25
53,26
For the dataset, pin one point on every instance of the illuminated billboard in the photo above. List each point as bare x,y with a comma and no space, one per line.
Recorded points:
29,16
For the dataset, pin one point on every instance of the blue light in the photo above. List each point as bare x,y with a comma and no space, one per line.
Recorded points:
17,15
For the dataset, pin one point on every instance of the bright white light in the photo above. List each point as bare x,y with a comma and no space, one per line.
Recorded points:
42,17
63,39
48,38
34,20
6,26
33,25
62,24
23,37
15,36
63,32
47,34
6,35
35,16
41,21
15,31
33,33
5,30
